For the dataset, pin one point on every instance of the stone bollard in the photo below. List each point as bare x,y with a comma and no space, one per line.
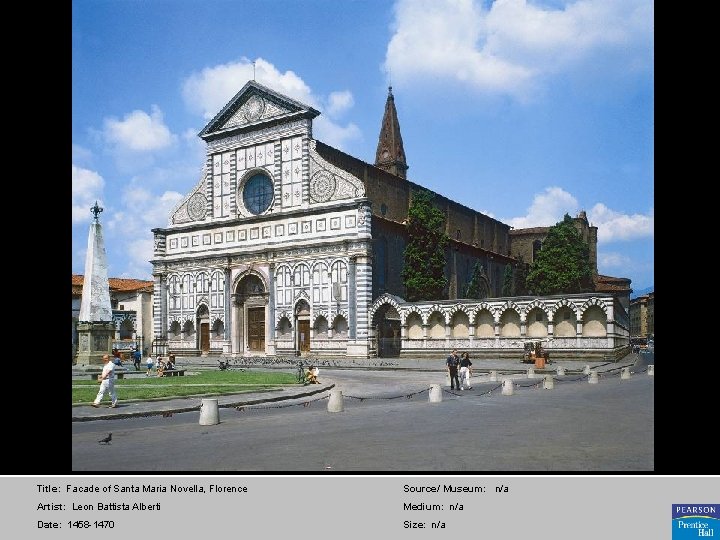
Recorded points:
625,373
209,415
435,395
586,371
593,378
493,376
531,373
335,403
507,388
548,383
651,369
561,371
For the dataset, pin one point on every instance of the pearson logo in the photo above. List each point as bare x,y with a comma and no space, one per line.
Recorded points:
695,521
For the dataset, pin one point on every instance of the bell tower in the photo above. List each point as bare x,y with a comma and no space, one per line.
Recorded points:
390,155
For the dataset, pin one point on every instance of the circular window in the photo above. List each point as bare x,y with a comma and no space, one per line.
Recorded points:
258,193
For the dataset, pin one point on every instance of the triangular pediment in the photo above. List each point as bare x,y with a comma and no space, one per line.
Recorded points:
254,106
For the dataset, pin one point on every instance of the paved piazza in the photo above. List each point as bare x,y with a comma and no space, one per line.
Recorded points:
575,427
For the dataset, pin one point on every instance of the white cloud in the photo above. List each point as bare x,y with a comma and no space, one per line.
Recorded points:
613,260
208,91
139,252
335,134
613,226
139,131
141,211
553,203
511,45
87,187
547,209
195,144
81,155
339,102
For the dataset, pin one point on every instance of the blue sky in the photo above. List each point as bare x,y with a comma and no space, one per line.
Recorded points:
523,110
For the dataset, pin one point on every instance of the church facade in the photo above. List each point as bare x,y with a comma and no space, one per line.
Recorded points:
285,244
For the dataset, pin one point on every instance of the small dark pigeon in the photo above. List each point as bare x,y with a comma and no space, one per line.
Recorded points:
106,440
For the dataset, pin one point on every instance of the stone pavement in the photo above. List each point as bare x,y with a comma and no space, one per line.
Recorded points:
366,378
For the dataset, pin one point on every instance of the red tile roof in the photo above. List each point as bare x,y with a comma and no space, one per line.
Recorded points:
116,284
611,284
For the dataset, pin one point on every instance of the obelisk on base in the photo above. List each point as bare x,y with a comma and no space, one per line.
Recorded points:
95,327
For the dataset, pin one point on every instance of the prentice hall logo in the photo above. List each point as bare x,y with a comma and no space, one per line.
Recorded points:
695,521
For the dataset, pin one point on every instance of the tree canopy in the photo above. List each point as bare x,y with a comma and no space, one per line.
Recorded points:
562,265
520,277
424,269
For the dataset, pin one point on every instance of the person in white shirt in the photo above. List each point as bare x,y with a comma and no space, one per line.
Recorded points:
107,382
311,375
149,363
465,371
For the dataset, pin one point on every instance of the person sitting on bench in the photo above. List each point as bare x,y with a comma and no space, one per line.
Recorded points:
160,366
311,375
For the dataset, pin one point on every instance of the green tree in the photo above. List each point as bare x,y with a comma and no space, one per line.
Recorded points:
520,277
562,265
424,271
507,281
477,287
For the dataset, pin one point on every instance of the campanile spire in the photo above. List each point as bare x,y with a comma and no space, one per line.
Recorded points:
390,155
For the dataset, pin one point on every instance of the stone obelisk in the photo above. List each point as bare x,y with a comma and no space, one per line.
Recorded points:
95,327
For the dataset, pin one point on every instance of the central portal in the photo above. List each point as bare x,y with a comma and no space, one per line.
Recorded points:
250,326
304,336
302,324
204,338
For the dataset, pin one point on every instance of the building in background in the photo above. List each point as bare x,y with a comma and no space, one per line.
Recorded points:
131,301
526,243
642,316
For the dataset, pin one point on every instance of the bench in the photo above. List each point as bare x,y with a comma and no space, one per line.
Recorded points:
173,373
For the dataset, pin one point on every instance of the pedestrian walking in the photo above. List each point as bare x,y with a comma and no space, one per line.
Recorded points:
107,383
137,358
465,371
149,364
452,363
117,357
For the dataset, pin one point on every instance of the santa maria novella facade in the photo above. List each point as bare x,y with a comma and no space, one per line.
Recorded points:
270,253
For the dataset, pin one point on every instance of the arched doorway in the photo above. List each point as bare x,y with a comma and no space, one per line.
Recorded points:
250,303
387,331
203,325
302,325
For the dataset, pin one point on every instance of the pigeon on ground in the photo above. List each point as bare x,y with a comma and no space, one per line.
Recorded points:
106,440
